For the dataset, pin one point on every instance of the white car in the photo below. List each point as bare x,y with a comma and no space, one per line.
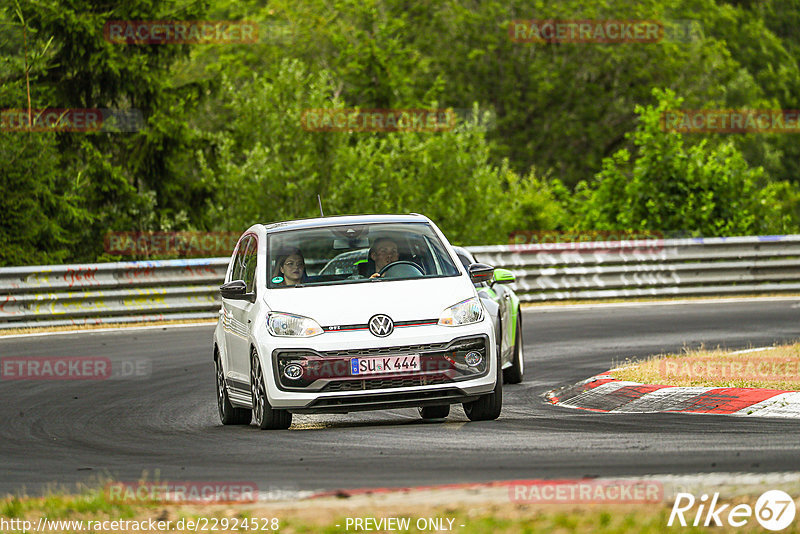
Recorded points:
400,326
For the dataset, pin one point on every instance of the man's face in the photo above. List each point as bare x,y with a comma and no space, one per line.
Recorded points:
385,253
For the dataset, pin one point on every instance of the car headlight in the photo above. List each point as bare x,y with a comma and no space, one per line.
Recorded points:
465,312
287,325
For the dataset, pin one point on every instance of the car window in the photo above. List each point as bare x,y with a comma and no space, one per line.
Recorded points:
238,262
342,254
250,260
346,262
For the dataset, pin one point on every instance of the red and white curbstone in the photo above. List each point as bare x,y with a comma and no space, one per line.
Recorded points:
604,393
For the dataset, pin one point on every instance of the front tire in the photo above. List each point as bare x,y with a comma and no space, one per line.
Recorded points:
227,413
514,374
264,416
487,407
434,412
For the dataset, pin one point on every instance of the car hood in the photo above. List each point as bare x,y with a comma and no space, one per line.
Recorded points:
402,300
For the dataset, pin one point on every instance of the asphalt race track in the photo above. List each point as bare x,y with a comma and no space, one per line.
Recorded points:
72,431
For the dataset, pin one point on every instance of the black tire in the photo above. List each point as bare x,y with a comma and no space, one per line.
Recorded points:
514,374
227,413
263,415
434,412
487,407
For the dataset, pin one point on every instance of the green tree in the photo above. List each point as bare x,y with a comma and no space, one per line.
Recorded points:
40,203
267,167
667,186
123,178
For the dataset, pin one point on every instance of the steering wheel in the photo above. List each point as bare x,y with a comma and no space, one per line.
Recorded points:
402,269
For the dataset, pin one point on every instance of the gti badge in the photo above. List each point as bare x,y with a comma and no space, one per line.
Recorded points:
381,325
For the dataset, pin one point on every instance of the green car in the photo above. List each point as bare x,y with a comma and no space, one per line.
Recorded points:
503,306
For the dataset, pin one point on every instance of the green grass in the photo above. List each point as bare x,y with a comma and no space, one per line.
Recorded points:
60,505
773,368
495,516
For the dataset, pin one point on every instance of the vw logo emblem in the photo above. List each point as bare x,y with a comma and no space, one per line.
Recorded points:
381,325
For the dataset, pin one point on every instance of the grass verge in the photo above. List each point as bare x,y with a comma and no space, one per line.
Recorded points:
464,511
775,367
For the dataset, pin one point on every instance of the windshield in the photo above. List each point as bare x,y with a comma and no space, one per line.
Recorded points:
360,253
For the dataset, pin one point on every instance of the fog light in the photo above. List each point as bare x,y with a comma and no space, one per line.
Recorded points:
293,371
473,358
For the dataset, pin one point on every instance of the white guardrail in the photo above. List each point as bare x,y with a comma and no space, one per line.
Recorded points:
189,289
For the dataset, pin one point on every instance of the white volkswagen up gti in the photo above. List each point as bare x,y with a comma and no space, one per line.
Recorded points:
340,314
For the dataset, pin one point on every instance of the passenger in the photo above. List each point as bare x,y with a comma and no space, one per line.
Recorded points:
290,269
383,252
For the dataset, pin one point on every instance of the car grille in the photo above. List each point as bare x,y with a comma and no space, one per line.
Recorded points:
329,371
384,383
386,350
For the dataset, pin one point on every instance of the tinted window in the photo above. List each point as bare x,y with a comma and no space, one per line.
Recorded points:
352,254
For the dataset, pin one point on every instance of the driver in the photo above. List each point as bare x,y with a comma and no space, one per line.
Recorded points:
383,252
290,268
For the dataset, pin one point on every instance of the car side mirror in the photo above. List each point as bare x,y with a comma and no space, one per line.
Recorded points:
480,272
503,276
236,290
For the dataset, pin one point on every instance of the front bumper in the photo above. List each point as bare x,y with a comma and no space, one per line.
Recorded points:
330,371
327,386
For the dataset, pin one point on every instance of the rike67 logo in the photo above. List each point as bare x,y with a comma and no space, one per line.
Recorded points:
774,510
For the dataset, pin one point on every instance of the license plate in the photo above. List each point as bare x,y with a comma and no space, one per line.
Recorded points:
384,364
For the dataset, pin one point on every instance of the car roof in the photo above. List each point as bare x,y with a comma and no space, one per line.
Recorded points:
343,220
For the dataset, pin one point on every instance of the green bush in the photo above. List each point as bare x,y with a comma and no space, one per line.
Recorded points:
667,186
265,167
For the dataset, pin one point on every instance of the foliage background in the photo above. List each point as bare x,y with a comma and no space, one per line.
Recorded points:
562,136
